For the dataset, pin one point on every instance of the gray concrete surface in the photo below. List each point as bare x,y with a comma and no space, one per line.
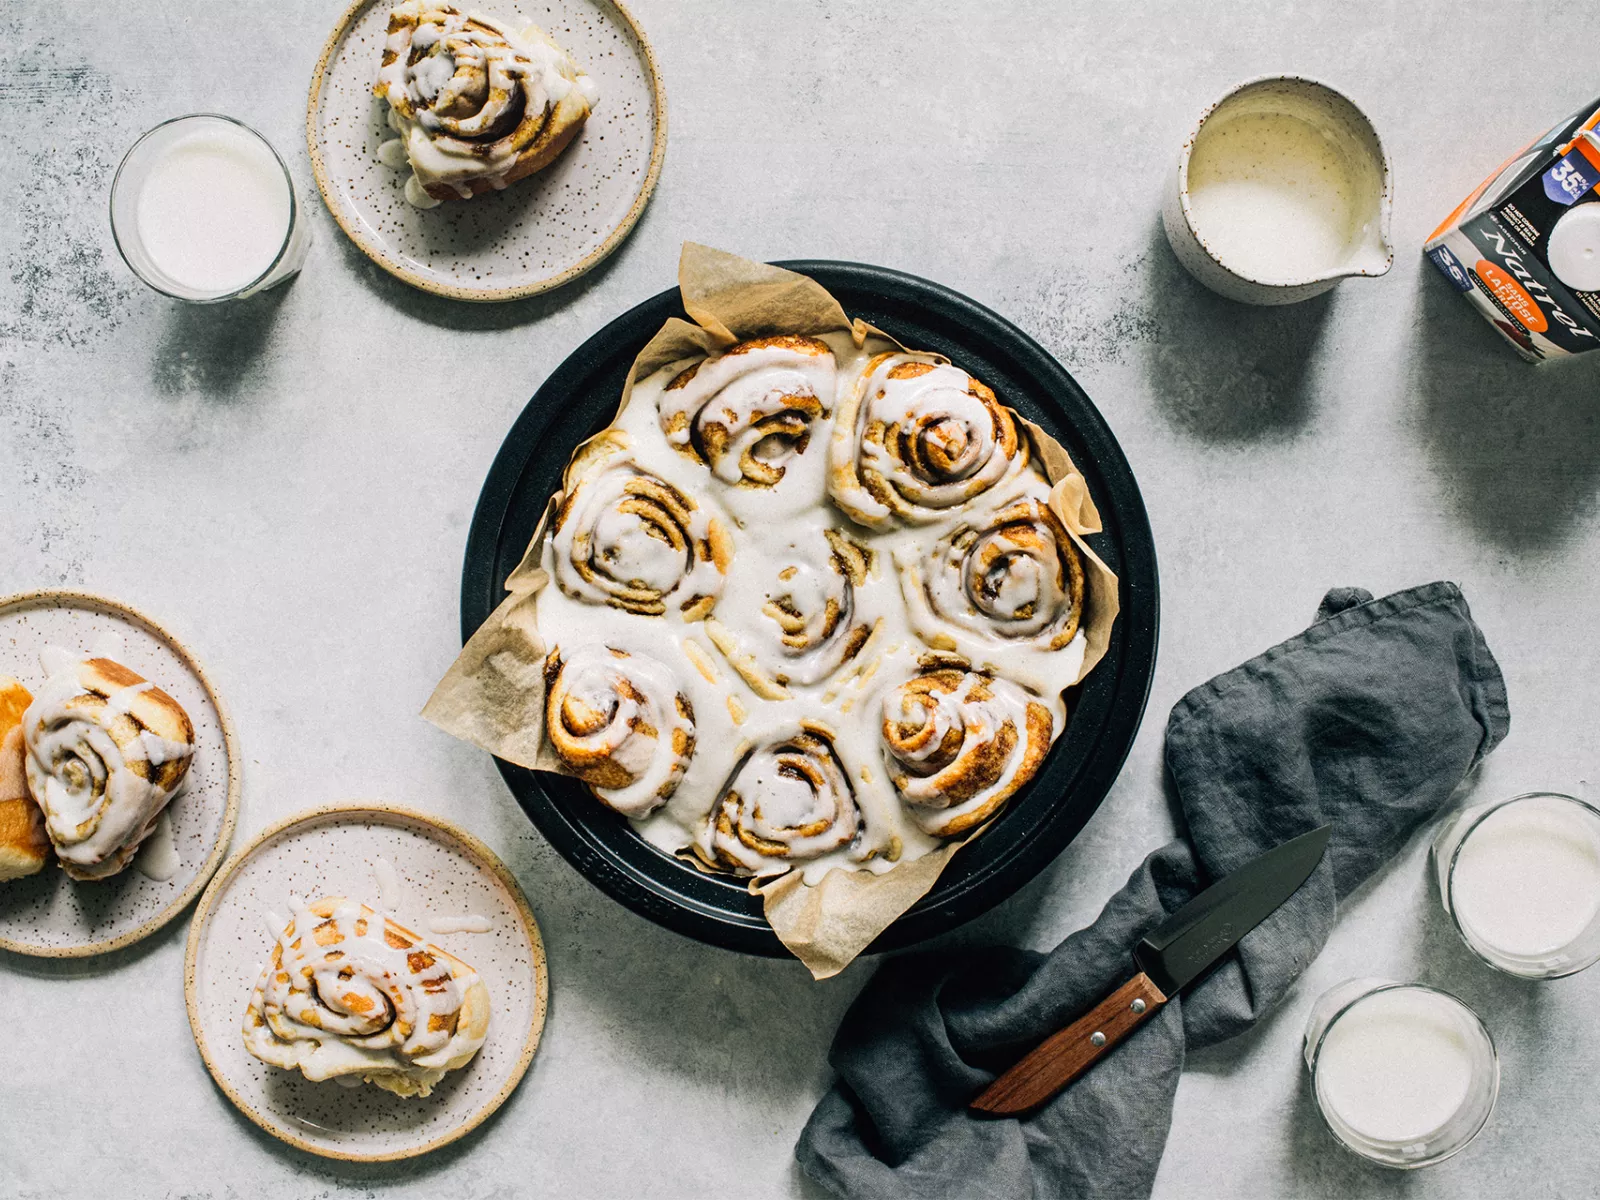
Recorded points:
288,484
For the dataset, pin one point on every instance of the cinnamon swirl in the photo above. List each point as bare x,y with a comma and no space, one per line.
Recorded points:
959,743
107,750
787,802
477,103
917,438
747,412
625,537
1012,577
349,992
618,721
796,619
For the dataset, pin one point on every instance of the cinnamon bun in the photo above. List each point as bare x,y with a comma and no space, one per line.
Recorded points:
625,537
476,103
959,743
24,845
795,618
787,802
1008,578
107,750
916,438
619,722
349,992
748,412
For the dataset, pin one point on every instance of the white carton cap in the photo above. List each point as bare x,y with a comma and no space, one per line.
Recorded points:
1574,248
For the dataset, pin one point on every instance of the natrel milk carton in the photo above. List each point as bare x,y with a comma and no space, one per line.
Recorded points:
1525,247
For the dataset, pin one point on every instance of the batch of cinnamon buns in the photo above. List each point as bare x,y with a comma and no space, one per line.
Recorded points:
811,605
808,607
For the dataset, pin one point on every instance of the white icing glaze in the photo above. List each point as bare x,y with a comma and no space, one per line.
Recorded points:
713,662
475,73
751,415
275,923
57,660
470,923
417,196
100,793
388,881
942,745
392,154
353,994
158,857
628,538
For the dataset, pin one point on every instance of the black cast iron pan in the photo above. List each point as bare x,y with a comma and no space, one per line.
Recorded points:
580,397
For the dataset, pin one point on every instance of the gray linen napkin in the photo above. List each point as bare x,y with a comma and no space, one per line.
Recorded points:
1368,720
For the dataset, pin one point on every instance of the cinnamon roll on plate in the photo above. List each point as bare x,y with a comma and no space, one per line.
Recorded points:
350,993
478,102
106,752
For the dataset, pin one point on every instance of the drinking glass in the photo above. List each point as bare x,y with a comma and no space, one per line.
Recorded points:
135,172
1520,880
1404,1075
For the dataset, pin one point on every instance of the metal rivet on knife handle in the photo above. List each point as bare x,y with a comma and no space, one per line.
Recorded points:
1065,1055
1137,1006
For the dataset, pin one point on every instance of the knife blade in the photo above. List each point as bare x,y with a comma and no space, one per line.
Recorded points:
1170,957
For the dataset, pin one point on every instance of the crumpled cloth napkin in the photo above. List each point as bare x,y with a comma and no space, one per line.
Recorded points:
1368,720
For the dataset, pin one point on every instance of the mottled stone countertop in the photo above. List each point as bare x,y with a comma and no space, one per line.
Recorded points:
288,483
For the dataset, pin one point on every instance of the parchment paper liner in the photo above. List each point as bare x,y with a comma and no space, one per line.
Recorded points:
493,695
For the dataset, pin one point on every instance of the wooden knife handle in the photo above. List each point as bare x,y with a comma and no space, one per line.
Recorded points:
1062,1057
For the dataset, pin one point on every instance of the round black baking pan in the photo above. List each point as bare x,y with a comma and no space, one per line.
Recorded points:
581,396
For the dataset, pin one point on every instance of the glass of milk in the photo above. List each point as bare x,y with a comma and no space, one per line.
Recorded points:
203,209
1404,1075
1520,879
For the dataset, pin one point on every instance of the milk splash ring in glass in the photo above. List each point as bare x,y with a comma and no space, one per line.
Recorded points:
203,209
1520,880
1404,1075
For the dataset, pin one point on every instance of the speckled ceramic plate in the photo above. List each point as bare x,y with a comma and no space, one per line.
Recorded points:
439,871
541,231
52,916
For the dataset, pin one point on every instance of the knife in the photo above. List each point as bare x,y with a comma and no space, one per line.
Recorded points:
1170,957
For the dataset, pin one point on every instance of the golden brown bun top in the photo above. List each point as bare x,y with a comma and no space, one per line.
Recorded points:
152,708
14,701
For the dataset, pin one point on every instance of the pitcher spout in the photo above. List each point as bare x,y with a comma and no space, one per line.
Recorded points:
1371,260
